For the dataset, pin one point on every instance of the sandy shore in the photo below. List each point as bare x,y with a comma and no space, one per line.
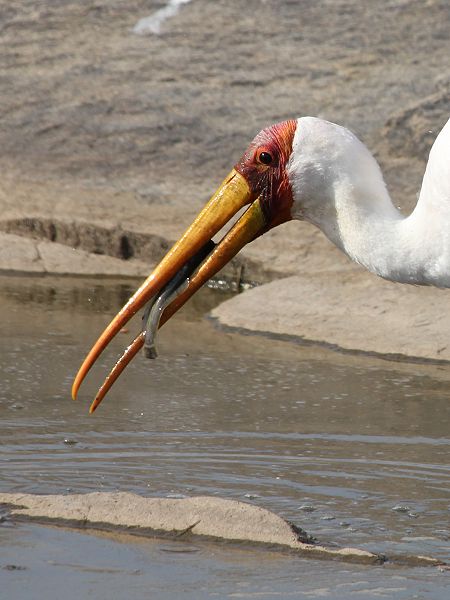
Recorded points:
206,517
112,141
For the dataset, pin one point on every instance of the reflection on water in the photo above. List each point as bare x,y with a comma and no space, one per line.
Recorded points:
353,449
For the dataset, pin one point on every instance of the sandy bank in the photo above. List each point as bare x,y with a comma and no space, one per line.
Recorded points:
111,142
356,312
203,516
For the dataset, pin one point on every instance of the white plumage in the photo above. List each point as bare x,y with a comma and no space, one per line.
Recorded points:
338,186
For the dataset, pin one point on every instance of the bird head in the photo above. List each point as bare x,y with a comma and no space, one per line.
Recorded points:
264,167
258,181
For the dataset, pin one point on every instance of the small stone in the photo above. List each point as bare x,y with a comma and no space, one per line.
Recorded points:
401,508
307,508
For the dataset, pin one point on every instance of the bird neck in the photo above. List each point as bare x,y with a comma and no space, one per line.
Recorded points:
370,230
340,189
373,233
413,249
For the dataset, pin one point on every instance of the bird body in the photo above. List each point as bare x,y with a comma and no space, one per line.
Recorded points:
338,186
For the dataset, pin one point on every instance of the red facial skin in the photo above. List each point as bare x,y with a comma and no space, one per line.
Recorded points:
270,181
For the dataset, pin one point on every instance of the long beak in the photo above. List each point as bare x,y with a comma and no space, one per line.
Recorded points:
233,194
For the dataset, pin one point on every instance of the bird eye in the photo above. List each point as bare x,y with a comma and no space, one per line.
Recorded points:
265,158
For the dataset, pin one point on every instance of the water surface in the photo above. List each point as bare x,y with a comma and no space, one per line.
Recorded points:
354,450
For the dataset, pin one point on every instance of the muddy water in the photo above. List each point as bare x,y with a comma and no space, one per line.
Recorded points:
355,450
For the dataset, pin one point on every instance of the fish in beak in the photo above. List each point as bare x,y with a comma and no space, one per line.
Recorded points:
260,182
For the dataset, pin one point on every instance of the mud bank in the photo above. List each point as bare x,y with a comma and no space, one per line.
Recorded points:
214,518
111,142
